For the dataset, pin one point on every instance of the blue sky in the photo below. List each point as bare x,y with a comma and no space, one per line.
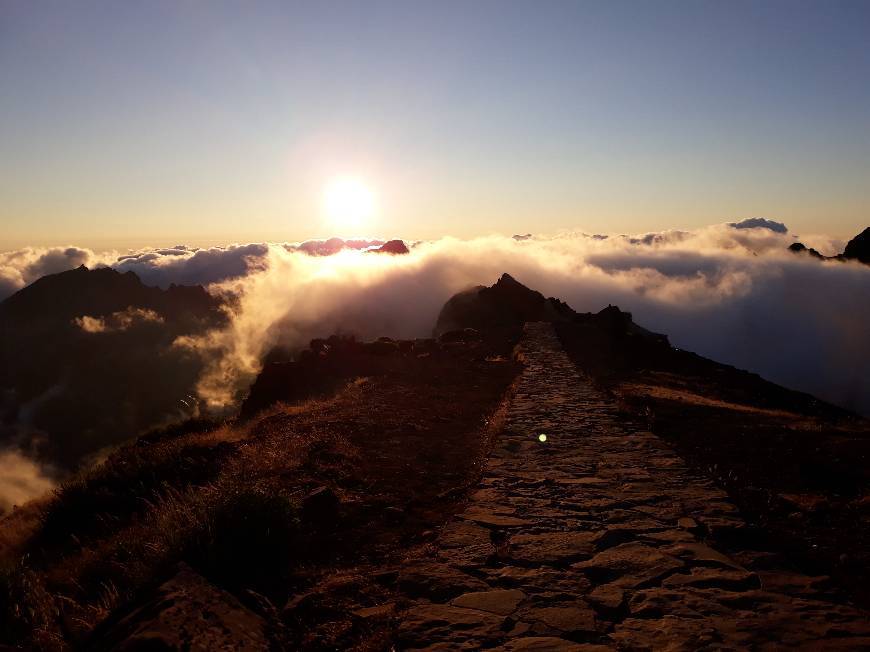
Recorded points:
127,123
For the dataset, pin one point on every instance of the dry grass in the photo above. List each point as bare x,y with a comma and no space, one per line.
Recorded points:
227,500
681,395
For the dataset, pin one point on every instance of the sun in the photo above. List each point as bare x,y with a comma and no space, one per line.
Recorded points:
349,203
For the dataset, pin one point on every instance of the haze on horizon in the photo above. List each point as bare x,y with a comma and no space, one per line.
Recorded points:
132,123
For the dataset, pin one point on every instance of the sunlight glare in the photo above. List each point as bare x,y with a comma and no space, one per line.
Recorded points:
349,203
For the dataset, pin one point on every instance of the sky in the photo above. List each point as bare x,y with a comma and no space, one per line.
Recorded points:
155,123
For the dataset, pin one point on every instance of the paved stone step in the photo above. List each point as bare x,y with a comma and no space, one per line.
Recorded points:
594,537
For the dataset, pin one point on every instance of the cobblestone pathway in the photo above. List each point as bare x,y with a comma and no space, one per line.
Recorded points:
599,538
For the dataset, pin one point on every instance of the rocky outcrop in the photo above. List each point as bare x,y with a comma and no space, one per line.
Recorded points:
506,305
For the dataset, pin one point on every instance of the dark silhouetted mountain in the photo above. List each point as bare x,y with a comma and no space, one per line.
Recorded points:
858,247
57,299
800,247
332,246
392,247
87,358
507,304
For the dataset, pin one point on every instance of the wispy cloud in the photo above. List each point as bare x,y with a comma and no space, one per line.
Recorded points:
21,479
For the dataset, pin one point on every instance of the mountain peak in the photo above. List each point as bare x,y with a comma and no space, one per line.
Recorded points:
505,304
858,247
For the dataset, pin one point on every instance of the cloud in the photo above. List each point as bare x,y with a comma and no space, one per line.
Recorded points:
21,479
731,292
117,321
735,295
760,223
22,267
181,265
184,266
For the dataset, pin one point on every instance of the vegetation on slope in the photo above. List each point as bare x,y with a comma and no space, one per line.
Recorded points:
262,508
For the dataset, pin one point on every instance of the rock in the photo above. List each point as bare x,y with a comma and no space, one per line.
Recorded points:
629,565
377,612
701,554
550,644
555,548
671,633
660,602
720,578
480,514
573,618
424,623
540,579
186,613
437,581
608,598
500,601
463,533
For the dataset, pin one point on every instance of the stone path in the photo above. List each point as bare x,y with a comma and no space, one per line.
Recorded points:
601,538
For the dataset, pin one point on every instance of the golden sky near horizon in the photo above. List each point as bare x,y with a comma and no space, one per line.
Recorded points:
165,123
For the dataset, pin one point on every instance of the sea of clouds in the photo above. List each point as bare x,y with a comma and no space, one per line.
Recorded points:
731,292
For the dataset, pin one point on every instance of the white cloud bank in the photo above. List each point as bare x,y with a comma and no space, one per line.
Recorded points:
731,292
